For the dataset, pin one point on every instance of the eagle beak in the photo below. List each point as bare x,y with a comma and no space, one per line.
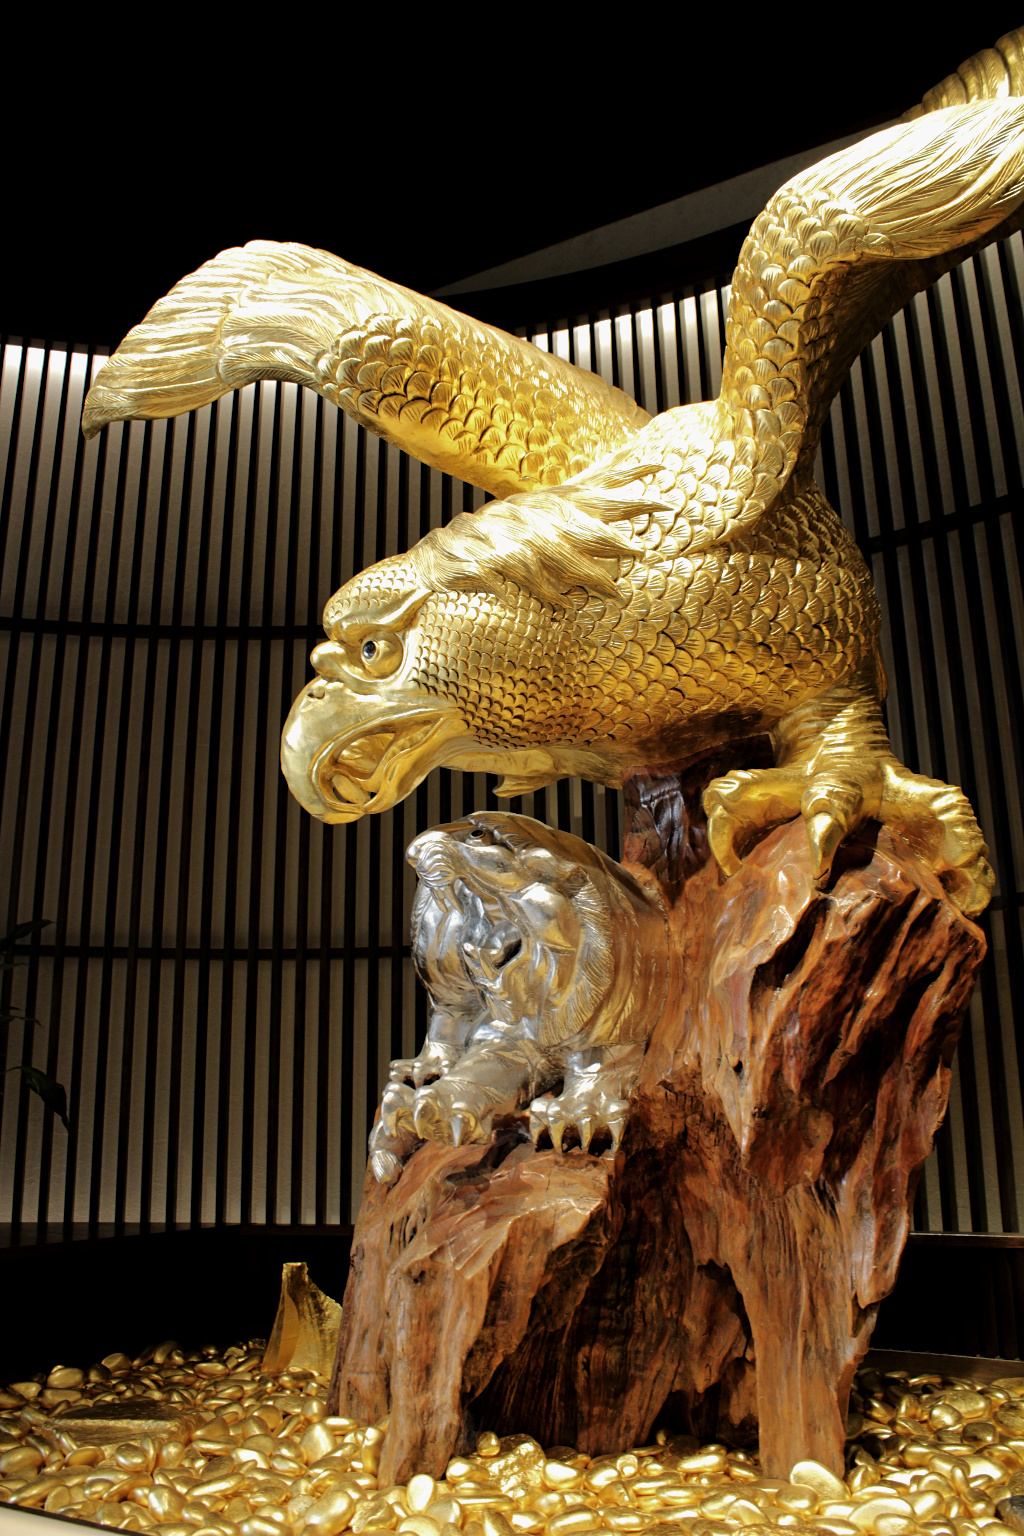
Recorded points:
347,754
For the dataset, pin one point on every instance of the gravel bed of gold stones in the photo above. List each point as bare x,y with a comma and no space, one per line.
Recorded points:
243,1454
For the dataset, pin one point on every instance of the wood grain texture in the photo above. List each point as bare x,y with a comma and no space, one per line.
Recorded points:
723,1272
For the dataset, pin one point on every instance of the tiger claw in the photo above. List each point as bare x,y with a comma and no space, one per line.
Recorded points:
386,1167
423,1119
396,1108
435,1060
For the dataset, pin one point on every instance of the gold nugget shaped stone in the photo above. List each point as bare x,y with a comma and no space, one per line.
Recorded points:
899,1481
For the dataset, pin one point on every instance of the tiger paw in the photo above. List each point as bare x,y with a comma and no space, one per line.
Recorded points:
396,1108
435,1060
453,1110
585,1110
389,1153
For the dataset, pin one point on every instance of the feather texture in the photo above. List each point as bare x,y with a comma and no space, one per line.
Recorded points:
462,396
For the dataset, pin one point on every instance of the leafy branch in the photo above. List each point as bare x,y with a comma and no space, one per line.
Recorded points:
49,1090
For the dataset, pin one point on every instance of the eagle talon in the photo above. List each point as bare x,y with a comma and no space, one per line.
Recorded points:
824,833
741,807
937,821
837,770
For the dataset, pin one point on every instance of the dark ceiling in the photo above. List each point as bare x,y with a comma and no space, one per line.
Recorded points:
410,155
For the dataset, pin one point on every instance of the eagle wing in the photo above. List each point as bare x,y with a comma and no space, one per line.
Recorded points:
835,253
461,396
846,243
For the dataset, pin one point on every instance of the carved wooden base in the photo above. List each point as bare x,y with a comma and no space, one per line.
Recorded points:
723,1272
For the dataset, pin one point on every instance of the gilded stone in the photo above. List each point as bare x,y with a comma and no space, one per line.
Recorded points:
494,1523
166,1503
119,1422
317,1441
577,1517
331,1513
969,1405
419,1525
823,1483
559,1477
118,1364
66,1376
444,1510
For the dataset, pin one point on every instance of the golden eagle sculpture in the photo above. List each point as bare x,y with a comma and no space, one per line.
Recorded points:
645,588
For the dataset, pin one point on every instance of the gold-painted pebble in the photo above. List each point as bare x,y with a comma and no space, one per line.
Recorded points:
261,1456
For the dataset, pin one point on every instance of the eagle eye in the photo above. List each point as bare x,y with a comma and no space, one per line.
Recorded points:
380,654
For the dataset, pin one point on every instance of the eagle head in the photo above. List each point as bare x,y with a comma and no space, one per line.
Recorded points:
472,650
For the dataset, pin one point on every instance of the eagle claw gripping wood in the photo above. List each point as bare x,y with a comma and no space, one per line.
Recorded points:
647,588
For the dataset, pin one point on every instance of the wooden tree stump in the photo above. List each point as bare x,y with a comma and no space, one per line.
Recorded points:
723,1272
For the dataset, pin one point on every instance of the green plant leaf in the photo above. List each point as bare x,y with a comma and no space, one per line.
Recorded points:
51,1092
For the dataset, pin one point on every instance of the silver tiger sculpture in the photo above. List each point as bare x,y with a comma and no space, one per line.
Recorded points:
546,964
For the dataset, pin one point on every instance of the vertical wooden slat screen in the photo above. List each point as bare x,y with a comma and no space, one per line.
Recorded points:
225,979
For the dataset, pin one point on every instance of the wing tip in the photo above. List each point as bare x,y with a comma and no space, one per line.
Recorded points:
99,410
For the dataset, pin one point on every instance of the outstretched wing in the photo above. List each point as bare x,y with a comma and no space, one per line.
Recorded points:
836,252
846,243
462,396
